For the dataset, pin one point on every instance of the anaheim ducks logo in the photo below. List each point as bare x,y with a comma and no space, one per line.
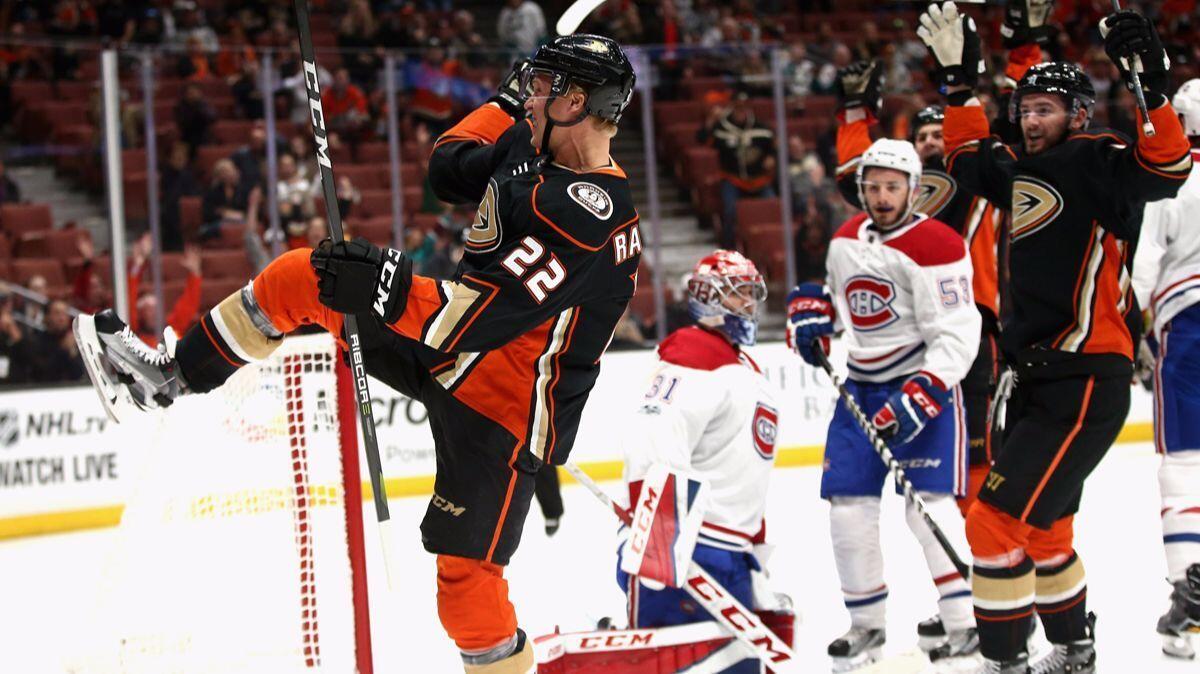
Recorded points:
1034,205
935,192
484,234
592,198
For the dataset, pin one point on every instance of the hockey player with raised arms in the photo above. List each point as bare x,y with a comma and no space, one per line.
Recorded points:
708,413
1166,280
503,354
1074,195
899,286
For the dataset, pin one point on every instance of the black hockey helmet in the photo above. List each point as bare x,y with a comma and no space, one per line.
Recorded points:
933,114
596,64
1059,77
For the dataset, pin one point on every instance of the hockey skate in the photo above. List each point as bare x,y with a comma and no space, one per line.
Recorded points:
1180,625
931,633
857,648
957,644
128,375
1076,657
1018,665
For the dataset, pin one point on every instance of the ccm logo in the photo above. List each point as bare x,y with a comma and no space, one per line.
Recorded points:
447,507
639,533
383,290
318,115
617,640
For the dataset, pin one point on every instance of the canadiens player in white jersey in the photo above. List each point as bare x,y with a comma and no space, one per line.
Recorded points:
899,289
710,414
1166,280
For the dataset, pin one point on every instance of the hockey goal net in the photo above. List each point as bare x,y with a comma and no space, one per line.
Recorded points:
241,545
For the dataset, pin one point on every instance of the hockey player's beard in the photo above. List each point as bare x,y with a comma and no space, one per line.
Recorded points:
1042,139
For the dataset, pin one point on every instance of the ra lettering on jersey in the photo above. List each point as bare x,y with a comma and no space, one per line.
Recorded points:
708,412
549,266
1074,226
940,198
904,298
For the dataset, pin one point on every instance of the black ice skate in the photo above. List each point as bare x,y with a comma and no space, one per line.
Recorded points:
931,633
857,648
1076,657
1018,665
957,644
1180,625
126,373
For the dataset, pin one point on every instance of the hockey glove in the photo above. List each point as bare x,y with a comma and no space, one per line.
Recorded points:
1025,23
509,95
1131,37
858,86
809,321
355,277
920,399
954,43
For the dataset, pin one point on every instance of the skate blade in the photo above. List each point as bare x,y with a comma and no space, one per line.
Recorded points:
863,662
1179,647
913,662
927,644
115,398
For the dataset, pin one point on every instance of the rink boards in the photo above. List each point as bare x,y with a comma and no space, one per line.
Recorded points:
65,466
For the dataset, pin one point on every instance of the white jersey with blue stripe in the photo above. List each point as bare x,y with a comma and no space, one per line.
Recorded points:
903,299
1166,267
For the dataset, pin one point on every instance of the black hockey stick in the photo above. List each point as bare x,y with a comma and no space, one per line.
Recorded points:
357,366
1134,61
893,465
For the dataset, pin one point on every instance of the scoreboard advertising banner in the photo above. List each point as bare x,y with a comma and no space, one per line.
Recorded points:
64,465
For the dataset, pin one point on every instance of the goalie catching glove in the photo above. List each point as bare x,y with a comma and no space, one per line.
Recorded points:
354,277
1131,37
954,42
906,412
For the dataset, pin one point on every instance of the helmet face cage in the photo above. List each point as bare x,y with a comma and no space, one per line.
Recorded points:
889,158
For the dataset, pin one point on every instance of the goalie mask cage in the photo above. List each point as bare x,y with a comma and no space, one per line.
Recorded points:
241,545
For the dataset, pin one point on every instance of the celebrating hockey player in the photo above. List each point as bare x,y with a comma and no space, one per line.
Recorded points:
1071,193
503,355
969,215
1166,279
709,414
899,284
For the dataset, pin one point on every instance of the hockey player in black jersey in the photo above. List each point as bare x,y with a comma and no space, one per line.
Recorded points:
1072,193
503,354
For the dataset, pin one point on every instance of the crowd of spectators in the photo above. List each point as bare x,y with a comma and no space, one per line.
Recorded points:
449,57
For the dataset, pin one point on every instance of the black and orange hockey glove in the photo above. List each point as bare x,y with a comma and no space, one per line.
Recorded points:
355,277
1127,35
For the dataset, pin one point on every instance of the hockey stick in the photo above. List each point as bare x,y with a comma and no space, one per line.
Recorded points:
357,366
742,623
893,465
1134,62
569,22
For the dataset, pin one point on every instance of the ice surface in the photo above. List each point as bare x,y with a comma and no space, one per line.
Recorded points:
569,581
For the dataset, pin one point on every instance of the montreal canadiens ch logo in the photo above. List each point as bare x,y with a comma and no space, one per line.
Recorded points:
870,301
766,428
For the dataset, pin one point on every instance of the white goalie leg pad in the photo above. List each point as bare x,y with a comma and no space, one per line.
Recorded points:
954,592
854,529
1179,482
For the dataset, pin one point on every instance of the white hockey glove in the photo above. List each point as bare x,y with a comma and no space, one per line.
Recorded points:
954,42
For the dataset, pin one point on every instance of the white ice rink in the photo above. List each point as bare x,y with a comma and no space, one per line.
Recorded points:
568,580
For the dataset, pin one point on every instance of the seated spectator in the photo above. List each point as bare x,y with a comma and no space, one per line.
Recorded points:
10,192
178,181
237,52
345,106
15,360
247,91
184,312
430,255
226,199
193,65
293,193
357,33
432,81
348,196
54,356
251,159
194,116
521,26
189,27
465,44
33,312
746,155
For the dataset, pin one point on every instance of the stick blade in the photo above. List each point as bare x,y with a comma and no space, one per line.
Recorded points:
571,19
